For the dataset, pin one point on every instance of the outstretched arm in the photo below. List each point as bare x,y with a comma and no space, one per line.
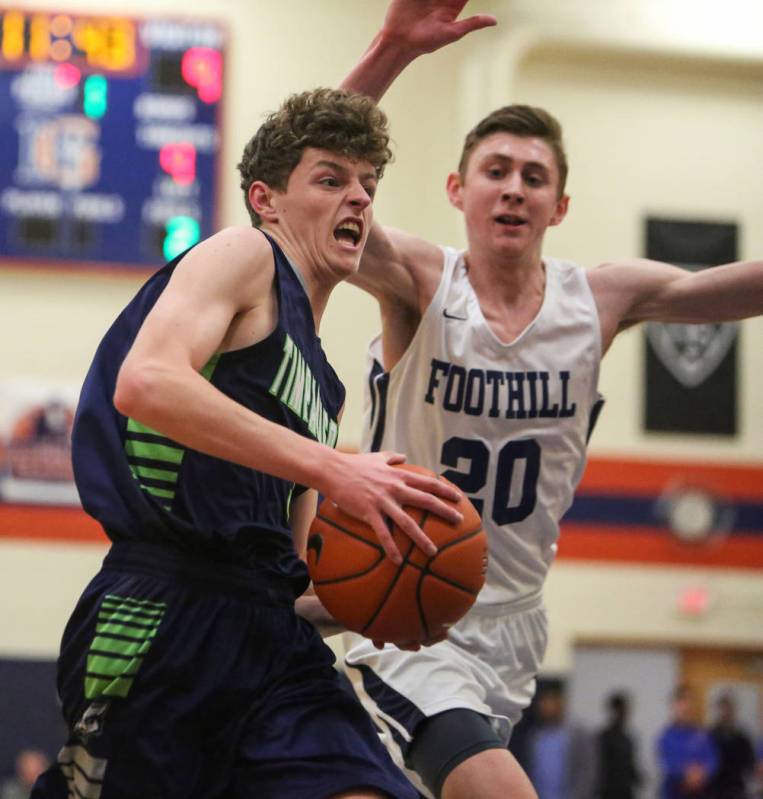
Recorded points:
410,29
639,290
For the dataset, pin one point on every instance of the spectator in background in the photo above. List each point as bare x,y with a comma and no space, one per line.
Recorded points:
686,752
757,781
30,763
562,754
736,757
619,775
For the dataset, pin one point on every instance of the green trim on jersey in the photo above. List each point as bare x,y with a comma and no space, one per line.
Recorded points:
154,459
125,629
295,386
210,366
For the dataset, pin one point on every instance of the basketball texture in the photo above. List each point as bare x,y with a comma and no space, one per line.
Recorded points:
367,593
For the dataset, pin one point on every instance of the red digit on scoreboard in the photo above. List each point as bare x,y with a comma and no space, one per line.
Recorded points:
202,68
178,159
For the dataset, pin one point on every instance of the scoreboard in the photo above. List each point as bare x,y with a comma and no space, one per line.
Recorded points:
110,132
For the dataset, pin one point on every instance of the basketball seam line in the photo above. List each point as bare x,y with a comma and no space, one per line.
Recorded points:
374,545
447,581
425,570
420,582
390,587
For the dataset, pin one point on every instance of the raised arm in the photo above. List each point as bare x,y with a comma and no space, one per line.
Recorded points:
639,290
400,270
410,29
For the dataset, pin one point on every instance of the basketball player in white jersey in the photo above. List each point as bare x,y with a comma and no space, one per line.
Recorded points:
486,371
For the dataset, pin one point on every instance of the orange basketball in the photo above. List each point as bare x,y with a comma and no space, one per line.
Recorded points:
367,593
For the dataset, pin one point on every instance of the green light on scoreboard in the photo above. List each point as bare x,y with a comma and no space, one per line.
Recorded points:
95,96
182,232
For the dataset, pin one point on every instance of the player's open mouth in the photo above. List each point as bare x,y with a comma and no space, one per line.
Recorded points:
511,220
349,231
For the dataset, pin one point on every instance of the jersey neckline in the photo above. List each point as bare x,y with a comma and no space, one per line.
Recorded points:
460,273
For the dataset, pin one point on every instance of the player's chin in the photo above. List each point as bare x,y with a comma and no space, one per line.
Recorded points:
511,237
345,263
511,247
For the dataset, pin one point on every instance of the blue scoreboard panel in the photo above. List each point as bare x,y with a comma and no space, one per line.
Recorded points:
110,130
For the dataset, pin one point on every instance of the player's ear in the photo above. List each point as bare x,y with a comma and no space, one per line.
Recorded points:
562,204
454,186
261,198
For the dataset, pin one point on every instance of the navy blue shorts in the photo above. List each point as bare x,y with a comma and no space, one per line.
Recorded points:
180,682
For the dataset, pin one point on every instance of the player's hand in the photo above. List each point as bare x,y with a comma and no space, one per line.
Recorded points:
424,26
414,646
368,487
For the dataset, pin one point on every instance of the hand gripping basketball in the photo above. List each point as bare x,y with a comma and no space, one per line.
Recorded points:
405,603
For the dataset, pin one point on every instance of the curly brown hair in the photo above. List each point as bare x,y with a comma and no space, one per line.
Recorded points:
521,120
337,120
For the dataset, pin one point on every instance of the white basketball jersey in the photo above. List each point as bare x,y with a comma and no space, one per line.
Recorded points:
507,423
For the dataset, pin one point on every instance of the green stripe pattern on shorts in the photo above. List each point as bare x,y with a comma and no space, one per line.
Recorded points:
124,631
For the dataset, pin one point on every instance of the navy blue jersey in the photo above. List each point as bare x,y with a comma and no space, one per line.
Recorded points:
142,486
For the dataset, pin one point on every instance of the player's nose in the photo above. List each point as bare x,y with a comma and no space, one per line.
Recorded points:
513,187
358,195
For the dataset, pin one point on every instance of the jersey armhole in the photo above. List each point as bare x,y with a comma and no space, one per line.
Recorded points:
450,258
597,321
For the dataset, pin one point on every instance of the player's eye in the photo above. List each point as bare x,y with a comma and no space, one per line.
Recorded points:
329,180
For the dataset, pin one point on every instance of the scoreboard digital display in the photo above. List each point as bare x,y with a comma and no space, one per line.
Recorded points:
110,130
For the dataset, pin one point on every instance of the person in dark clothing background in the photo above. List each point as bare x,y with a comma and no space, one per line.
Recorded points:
619,775
736,757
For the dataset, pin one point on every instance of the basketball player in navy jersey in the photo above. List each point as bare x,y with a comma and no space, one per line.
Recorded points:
486,371
208,409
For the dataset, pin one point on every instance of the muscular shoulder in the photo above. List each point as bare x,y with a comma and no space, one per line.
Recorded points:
606,275
630,291
399,269
236,260
607,282
632,287
424,262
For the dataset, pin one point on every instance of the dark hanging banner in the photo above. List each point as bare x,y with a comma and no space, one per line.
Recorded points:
691,370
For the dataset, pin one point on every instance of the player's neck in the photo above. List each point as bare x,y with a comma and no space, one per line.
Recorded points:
497,278
510,297
317,288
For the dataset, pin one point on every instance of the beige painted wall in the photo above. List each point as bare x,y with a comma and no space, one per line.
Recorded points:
651,137
674,132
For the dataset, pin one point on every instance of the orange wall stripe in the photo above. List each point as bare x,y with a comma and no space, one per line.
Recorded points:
51,524
615,475
655,545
